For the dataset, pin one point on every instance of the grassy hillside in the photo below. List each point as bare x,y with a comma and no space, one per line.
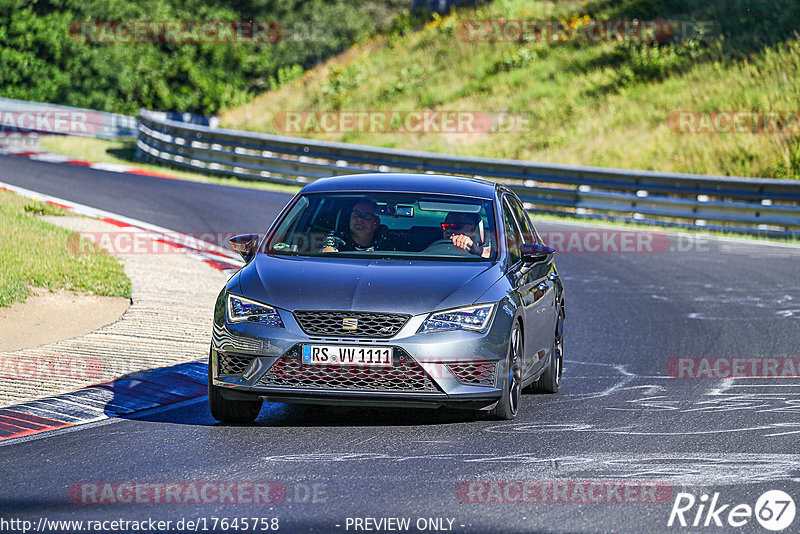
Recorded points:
605,104
40,62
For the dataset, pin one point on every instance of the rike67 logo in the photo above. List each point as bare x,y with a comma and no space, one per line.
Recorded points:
774,510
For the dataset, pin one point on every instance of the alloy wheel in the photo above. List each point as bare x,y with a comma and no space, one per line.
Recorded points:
559,348
514,372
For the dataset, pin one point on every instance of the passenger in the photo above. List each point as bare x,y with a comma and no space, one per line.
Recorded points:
459,228
364,234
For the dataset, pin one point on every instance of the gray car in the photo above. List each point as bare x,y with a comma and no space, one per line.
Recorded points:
390,290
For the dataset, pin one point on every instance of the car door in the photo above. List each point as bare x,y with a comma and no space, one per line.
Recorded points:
527,283
543,278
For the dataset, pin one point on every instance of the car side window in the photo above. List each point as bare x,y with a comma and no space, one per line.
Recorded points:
513,236
525,226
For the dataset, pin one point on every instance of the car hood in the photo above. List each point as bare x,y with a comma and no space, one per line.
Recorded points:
412,287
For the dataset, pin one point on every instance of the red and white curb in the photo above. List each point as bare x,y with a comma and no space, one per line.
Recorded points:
217,257
51,157
131,393
122,397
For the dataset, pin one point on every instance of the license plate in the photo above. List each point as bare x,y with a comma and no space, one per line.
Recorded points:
347,355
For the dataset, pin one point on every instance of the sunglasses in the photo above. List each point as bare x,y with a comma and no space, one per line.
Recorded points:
364,215
455,226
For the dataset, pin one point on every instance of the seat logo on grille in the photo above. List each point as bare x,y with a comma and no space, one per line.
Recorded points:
349,323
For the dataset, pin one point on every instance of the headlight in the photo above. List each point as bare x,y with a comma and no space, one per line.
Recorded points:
474,318
242,309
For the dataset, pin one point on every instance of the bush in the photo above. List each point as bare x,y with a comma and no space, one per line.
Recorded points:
789,167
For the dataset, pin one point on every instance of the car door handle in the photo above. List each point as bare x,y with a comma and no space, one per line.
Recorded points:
553,277
543,287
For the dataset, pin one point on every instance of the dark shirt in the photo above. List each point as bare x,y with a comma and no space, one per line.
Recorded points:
345,243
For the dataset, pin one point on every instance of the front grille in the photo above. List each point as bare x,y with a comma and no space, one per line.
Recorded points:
371,325
233,364
404,375
474,373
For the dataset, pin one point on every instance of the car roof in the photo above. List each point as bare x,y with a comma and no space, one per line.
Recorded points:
404,183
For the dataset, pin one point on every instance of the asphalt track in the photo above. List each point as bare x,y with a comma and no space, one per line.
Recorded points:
620,416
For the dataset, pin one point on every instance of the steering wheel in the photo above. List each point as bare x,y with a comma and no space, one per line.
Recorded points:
445,247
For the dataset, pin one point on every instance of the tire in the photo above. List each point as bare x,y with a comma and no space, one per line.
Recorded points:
508,405
550,381
230,411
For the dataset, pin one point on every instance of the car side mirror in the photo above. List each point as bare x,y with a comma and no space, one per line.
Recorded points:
536,254
245,245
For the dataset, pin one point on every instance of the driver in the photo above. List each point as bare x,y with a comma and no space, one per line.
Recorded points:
364,231
459,228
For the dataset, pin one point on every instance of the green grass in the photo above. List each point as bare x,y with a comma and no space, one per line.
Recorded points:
605,104
34,253
123,152
43,208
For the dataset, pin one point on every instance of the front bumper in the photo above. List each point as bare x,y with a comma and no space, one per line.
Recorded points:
456,369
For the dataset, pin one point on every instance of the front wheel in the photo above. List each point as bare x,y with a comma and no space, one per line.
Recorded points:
230,411
508,405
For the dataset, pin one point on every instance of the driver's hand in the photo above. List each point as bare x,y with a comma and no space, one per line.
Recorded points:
461,241
331,243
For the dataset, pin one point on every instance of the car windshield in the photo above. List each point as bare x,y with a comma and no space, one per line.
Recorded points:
387,225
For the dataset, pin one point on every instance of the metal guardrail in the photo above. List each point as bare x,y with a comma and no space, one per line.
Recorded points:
747,205
440,6
23,117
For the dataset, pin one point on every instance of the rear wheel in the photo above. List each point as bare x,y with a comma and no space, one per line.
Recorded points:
550,381
508,405
230,411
